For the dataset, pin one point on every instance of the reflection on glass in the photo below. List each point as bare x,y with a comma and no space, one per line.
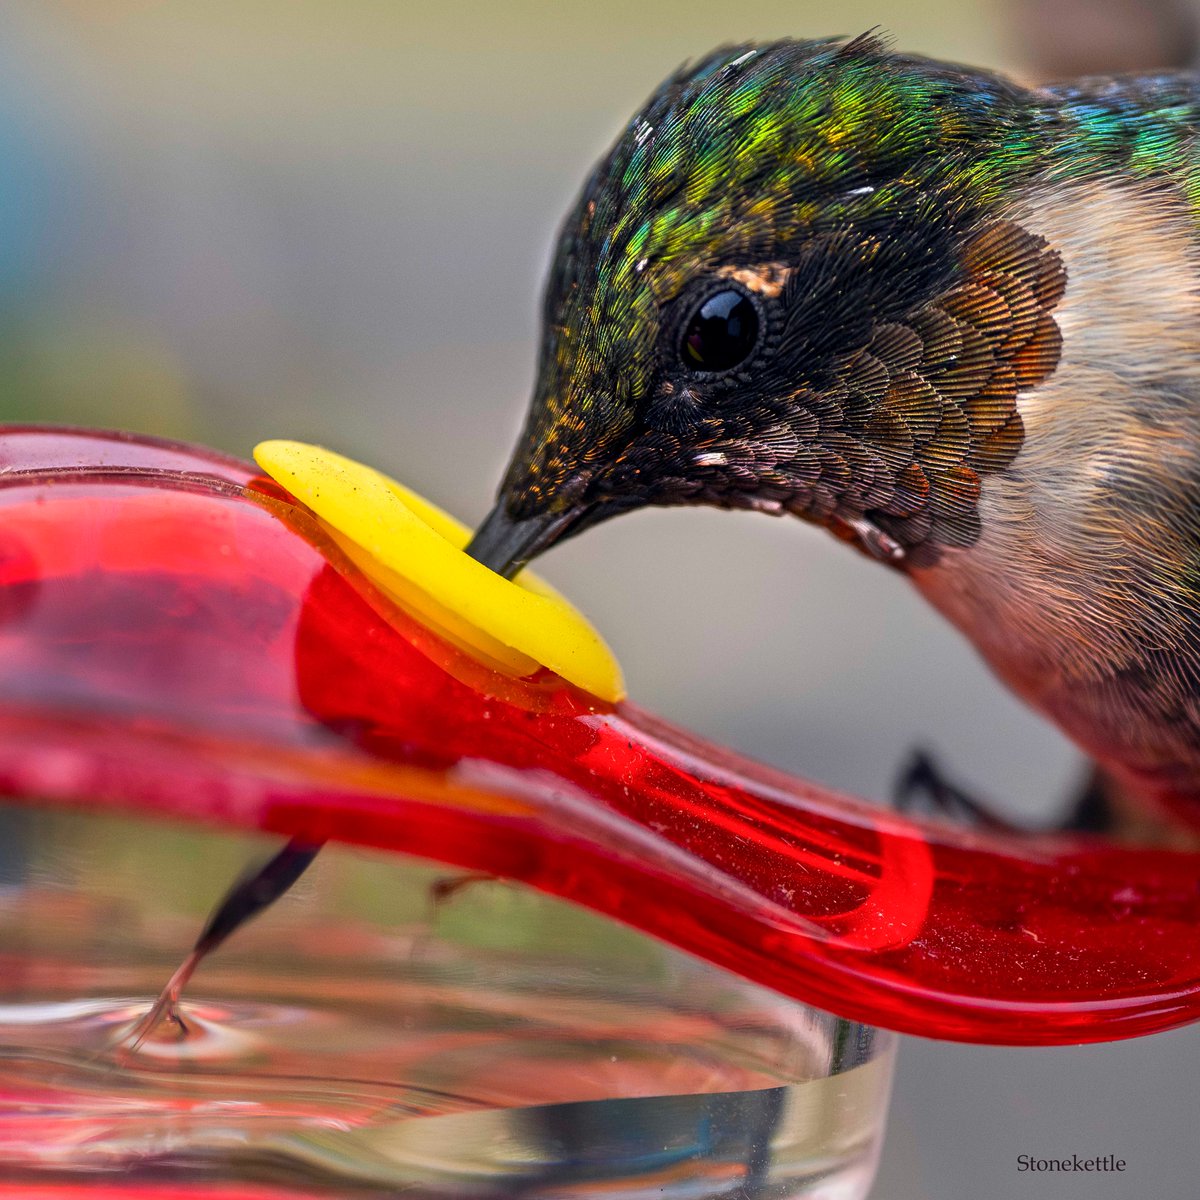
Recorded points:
383,1030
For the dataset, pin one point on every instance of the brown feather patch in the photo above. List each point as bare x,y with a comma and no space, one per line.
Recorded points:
949,411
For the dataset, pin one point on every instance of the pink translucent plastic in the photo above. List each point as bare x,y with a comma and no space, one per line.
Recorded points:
178,637
116,1191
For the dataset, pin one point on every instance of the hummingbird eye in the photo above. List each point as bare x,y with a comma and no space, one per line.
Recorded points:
721,333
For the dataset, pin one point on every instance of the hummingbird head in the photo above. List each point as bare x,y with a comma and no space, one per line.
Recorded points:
787,288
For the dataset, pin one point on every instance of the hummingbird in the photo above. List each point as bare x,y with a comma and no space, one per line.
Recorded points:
951,319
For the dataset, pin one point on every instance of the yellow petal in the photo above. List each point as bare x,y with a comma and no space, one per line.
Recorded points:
413,552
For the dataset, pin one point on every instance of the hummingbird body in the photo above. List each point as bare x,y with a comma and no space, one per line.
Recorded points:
952,320
1081,591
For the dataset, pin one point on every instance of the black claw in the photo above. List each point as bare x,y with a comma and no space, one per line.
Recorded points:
921,785
257,889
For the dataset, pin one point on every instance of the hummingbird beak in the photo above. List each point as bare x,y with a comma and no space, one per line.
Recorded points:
505,543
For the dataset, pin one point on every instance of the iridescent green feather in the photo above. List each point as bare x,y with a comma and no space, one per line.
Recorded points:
755,151
1146,125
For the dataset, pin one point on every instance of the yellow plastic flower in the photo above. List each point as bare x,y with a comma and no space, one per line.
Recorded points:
413,552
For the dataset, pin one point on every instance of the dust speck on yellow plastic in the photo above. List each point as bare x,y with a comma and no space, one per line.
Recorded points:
413,552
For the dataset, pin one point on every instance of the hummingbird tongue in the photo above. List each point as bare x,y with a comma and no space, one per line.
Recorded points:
505,543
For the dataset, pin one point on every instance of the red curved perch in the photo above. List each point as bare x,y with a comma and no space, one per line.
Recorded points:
177,636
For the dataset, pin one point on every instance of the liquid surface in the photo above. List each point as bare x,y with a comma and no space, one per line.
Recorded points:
375,1034
180,638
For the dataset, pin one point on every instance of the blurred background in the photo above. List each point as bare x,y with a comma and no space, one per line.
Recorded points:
225,222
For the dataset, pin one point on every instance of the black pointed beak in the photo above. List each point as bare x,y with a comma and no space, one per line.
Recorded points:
505,543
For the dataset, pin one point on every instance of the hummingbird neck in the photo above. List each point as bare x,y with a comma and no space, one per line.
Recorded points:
1081,590
1140,126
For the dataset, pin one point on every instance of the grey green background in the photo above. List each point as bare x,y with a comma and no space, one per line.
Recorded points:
329,221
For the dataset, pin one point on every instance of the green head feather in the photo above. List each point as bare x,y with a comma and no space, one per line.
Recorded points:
736,160
860,201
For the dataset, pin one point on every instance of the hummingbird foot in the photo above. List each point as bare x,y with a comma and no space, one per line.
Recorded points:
257,889
921,787
439,896
442,891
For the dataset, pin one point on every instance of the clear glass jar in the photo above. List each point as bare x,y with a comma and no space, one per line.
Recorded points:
390,1027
